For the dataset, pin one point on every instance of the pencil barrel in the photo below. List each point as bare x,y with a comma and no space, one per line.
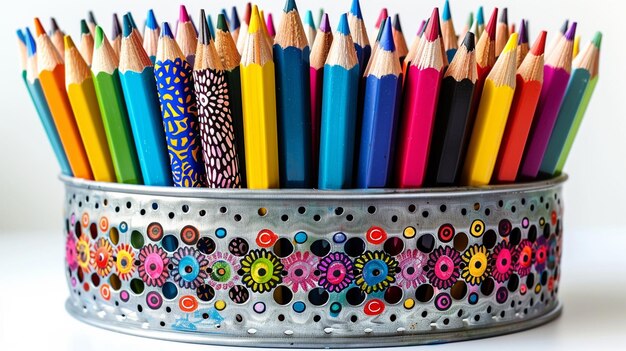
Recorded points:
233,80
317,86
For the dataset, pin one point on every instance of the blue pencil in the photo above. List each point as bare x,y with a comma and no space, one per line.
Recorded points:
29,74
341,84
291,57
450,41
137,78
225,13
383,87
209,21
359,35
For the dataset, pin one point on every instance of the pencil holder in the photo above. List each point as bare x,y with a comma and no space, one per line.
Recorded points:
290,268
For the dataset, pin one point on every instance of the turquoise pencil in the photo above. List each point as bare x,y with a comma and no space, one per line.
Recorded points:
29,75
291,57
341,84
137,78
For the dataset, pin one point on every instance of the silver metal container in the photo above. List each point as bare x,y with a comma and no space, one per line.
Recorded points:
298,268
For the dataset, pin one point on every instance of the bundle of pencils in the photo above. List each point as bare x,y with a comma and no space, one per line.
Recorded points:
267,101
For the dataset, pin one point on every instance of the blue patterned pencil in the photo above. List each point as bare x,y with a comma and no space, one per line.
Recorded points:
337,135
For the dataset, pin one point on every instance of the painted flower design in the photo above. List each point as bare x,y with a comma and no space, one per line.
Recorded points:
553,252
502,262
541,254
70,252
300,268
153,267
476,264
524,258
411,273
223,270
102,257
262,270
336,272
443,267
190,267
83,253
125,261
375,271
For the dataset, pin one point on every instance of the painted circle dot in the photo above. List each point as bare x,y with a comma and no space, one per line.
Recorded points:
472,298
124,295
300,237
123,227
154,300
525,222
220,305
374,307
220,233
339,238
477,228
259,307
299,306
188,303
266,238
409,303
335,307
409,232
376,235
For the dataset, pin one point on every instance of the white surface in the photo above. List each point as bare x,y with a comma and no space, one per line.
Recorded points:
33,292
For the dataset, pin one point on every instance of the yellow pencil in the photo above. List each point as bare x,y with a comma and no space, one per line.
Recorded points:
266,33
259,108
493,112
82,96
576,48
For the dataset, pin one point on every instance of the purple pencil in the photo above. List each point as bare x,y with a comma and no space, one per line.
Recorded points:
556,74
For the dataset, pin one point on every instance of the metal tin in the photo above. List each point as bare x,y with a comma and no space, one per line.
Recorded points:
296,268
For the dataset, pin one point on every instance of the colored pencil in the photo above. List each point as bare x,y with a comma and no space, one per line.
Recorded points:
310,29
491,120
384,13
138,84
243,32
151,35
51,73
557,38
82,96
447,150
485,59
420,104
320,16
399,41
512,28
413,50
91,22
56,35
383,88
529,79
449,34
86,43
235,24
556,75
113,110
209,22
266,33
466,28
178,107
219,148
319,54
480,23
359,36
29,75
116,36
259,108
579,81
225,18
337,133
576,48
291,57
227,51
374,49
134,28
522,44
502,31
269,23
186,36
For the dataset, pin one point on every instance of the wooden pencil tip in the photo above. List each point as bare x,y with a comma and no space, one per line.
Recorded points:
432,32
205,33
383,14
504,16
325,24
20,36
167,31
386,39
247,14
539,46
131,20
127,27
564,27
91,17
309,19
116,28
84,28
31,46
54,27
355,9
380,30
69,43
396,23
469,41
234,19
597,40
99,37
38,27
343,27
571,32
255,24
523,33
511,44
151,21
183,15
221,23
270,25
421,29
290,5
446,16
491,25
480,16
225,15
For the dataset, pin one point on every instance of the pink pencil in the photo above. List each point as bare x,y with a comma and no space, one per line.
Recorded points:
270,25
556,75
420,104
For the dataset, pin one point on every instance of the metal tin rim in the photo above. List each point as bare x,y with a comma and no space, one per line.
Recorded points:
304,194
332,343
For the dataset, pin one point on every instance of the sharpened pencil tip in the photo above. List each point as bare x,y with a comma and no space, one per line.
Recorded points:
511,44
38,27
564,27
247,14
225,15
91,17
523,33
53,25
355,9
183,15
167,31
571,32
20,36
504,16
446,16
221,23
480,16
597,39
151,21
31,46
380,29
540,44
396,23
99,37
234,19
127,27
343,27
433,26
205,33
116,30
469,41
69,43
325,24
309,19
422,28
386,38
131,20
84,28
290,5
255,23
491,25
383,14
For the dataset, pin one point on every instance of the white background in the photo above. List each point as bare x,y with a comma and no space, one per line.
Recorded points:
31,196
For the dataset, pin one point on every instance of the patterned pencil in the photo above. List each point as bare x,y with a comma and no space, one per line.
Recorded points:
113,110
448,33
529,79
420,104
259,108
116,36
337,132
269,23
319,54
557,38
466,28
491,119
82,97
219,148
359,36
186,36
383,14
235,24
29,75
399,41
580,80
291,57
556,75
502,31
91,22
178,107
51,74
447,150
86,43
480,22
227,51
243,32
140,94
383,88
56,35
522,45
151,35
576,48
309,28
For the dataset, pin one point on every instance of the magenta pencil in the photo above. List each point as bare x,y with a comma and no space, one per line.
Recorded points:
556,75
424,76
270,25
